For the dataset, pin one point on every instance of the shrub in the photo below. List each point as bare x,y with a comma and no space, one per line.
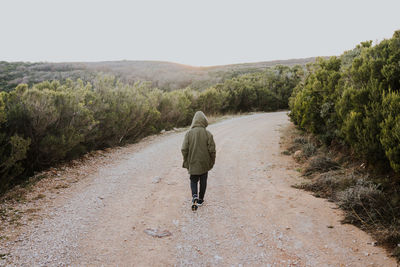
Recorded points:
367,205
313,103
13,150
300,140
330,183
390,134
308,149
320,164
212,101
356,102
123,113
176,108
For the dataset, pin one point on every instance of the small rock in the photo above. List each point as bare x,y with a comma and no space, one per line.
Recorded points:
330,226
157,233
156,179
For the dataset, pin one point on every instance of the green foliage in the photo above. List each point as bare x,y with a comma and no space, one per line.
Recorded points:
212,100
313,102
12,151
263,91
49,122
390,134
166,76
355,100
122,113
176,108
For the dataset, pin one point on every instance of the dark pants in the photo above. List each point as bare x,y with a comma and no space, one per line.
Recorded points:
194,179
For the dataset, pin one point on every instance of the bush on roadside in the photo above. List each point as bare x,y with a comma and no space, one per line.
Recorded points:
309,149
354,100
320,164
368,206
13,150
328,184
212,101
313,101
390,134
176,108
123,113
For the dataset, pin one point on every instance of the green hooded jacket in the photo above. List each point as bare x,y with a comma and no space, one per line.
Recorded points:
198,148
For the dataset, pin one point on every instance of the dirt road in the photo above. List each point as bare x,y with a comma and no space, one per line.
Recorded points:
251,216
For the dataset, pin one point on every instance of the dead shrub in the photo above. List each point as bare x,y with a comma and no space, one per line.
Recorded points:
309,149
367,206
328,184
320,164
301,140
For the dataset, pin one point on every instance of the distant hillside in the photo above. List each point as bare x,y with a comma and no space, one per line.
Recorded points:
164,75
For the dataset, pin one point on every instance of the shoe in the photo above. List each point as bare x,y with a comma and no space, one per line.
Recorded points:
194,203
200,202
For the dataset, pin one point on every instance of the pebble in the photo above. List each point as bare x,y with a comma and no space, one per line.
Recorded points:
157,233
156,180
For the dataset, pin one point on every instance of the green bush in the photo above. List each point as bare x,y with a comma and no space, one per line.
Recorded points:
13,150
123,113
355,102
390,134
313,102
212,100
176,108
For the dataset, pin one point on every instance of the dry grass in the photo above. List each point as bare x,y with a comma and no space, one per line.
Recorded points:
320,164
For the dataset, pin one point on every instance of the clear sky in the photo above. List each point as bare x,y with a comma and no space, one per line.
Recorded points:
193,32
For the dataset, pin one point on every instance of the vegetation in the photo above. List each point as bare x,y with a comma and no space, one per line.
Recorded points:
369,200
351,106
166,76
356,104
49,122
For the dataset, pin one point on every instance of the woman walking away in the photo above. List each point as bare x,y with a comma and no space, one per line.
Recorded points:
198,150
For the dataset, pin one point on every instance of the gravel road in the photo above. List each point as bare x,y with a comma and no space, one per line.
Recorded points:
251,216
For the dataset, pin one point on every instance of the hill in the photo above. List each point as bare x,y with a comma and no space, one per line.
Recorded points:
164,75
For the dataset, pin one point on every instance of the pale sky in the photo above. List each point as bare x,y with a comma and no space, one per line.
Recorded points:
193,32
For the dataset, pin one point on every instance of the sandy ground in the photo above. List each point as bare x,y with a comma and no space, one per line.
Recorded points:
251,216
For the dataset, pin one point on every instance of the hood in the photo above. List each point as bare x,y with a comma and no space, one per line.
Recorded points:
199,120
